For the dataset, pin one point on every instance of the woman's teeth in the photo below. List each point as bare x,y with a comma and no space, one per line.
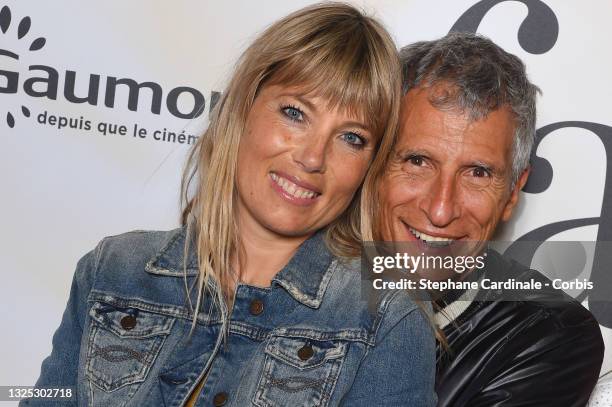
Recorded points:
431,240
292,189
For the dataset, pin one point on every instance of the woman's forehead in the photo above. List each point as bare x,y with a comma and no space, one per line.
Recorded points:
324,99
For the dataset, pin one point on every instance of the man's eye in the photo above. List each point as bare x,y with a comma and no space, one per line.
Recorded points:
353,139
293,113
480,172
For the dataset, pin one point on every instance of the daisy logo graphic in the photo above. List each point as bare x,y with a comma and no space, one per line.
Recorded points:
44,81
12,78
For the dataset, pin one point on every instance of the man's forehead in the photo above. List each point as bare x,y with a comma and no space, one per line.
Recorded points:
425,126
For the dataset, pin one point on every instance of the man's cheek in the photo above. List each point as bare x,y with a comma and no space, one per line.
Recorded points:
481,206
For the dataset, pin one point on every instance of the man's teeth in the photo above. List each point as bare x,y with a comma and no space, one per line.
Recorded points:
431,240
292,189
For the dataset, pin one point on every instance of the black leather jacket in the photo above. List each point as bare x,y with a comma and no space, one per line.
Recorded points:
545,350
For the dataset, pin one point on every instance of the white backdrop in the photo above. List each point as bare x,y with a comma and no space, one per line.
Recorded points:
64,189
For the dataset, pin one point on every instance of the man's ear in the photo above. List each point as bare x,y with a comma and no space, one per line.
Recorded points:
514,194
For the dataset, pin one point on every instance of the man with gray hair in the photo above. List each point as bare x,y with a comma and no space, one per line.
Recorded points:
461,158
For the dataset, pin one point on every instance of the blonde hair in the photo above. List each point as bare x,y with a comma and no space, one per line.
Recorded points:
330,49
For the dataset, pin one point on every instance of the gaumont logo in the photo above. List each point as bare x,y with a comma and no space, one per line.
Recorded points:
44,81
12,78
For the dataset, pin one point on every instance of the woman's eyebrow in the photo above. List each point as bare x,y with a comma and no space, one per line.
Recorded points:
302,99
361,125
305,100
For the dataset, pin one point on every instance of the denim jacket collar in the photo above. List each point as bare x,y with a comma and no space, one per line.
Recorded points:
305,277
307,274
168,261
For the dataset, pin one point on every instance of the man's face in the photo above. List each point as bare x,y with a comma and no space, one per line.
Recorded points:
449,178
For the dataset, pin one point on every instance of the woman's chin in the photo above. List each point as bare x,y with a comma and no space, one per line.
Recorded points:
293,230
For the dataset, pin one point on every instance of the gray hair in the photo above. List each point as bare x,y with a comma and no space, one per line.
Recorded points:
483,78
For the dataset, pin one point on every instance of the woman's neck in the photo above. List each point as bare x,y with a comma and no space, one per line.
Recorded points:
264,253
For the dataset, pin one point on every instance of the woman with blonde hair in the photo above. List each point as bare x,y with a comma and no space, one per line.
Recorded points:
256,300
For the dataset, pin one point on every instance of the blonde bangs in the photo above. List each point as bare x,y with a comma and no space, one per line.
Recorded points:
350,72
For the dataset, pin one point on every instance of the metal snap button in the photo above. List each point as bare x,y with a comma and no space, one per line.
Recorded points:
128,322
220,399
305,352
257,307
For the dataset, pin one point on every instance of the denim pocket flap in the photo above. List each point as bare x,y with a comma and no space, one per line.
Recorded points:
130,322
304,353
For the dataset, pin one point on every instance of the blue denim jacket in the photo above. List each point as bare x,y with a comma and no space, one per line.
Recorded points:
307,340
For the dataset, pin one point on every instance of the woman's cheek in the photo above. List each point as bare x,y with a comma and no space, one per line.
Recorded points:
353,173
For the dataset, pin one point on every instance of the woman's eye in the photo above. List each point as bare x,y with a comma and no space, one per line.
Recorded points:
293,113
353,139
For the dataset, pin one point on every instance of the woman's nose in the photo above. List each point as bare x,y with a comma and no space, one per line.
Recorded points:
311,153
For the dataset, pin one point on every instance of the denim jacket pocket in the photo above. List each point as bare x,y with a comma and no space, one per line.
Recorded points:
299,372
123,345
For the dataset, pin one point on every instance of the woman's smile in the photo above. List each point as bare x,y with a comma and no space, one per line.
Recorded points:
293,190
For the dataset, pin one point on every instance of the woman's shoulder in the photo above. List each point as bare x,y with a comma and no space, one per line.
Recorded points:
150,248
351,293
129,264
355,278
149,241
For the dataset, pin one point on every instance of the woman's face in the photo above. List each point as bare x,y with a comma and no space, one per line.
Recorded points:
299,162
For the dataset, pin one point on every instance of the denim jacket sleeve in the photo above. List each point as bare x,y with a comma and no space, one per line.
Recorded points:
400,369
60,369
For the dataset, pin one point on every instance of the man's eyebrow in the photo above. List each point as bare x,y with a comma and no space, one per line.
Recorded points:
405,152
487,166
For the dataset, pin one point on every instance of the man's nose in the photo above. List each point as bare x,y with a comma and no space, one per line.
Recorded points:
441,204
310,153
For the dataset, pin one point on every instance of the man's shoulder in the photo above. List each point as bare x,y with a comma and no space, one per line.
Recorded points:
547,303
535,320
514,338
